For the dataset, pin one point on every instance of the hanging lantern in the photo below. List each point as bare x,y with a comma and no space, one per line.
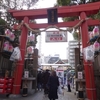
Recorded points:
96,46
12,36
10,48
6,46
29,50
31,38
7,33
90,35
89,53
96,31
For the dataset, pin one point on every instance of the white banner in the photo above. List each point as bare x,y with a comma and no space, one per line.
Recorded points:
26,74
56,36
80,75
60,74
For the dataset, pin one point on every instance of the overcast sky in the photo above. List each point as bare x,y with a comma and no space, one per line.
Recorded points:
52,48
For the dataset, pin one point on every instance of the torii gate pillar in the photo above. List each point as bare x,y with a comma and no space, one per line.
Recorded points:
20,65
88,67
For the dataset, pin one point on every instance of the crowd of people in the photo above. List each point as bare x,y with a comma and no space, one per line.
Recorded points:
50,83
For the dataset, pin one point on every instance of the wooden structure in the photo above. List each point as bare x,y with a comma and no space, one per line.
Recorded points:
97,74
67,11
6,81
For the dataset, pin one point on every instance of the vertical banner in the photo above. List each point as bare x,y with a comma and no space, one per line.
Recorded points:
26,74
80,75
60,74
52,16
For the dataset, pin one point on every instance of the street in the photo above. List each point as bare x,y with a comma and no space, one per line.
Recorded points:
39,95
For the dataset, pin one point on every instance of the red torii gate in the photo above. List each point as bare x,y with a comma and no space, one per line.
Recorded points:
67,11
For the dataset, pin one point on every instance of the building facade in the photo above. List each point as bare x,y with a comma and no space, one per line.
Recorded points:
71,52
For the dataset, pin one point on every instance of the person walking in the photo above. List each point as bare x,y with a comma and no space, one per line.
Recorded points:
39,80
45,78
53,84
68,85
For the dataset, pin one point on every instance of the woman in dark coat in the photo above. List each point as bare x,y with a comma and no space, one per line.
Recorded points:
45,81
53,84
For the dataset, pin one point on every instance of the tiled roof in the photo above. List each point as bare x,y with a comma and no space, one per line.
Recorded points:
56,60
53,60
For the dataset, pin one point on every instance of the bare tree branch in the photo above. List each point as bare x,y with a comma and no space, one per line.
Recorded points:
5,5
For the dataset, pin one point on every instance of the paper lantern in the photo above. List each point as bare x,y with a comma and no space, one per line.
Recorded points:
7,33
6,46
29,50
10,48
31,38
90,35
89,53
12,36
96,31
96,46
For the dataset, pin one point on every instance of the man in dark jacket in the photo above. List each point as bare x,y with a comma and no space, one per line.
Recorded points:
39,80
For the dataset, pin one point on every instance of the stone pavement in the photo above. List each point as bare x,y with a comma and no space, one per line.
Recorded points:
39,96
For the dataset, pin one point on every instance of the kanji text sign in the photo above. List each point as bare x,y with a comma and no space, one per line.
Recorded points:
56,36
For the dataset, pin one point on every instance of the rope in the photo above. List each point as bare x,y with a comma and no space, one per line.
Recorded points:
52,26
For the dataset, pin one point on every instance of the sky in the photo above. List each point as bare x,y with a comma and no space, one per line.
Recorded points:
55,47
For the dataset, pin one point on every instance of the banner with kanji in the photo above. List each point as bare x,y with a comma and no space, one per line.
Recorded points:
56,36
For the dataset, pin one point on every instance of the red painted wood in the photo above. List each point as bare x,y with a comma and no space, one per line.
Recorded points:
89,74
65,24
90,22
20,65
63,7
66,11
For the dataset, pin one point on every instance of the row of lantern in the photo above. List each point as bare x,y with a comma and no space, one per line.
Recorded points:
10,35
94,34
93,38
9,48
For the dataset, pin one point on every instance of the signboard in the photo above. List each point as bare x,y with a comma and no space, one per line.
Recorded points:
52,16
56,36
80,75
60,74
26,74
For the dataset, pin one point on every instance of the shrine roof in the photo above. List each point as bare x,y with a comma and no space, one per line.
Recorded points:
52,60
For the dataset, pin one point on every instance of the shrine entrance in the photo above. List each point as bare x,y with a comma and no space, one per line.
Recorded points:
82,11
